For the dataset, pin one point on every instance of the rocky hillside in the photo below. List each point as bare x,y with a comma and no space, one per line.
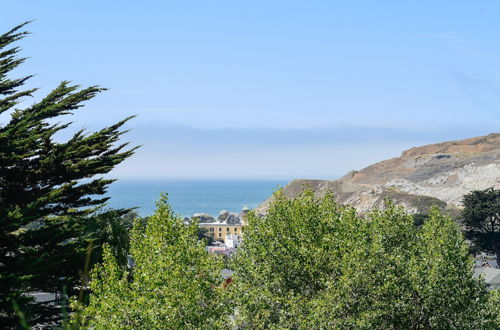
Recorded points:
422,176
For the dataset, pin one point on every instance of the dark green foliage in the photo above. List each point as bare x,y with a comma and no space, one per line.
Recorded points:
48,189
420,218
203,235
481,217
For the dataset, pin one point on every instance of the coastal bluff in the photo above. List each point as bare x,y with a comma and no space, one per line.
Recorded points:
436,174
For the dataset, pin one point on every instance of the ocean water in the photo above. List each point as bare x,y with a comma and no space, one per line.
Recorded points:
191,196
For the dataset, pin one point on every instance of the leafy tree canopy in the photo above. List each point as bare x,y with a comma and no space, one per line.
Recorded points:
175,283
312,263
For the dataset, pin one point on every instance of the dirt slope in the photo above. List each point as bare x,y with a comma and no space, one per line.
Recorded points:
438,173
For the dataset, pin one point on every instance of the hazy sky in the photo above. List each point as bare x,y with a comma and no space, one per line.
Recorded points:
270,89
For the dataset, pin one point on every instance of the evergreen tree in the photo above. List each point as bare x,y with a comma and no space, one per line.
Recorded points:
174,283
481,216
48,189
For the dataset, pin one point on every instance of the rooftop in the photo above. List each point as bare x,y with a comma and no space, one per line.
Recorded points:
219,223
491,275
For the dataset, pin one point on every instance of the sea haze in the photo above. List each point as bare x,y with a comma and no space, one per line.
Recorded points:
191,196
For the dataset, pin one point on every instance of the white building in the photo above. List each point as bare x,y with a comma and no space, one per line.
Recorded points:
232,241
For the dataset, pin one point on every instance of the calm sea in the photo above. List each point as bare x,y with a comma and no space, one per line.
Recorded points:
191,196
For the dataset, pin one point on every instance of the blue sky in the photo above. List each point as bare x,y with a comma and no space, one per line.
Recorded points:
270,89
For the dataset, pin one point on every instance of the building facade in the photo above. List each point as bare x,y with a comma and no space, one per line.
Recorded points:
218,231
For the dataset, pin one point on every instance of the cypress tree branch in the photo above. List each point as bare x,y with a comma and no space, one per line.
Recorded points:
49,191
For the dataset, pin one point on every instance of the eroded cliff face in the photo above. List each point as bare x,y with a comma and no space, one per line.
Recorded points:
422,176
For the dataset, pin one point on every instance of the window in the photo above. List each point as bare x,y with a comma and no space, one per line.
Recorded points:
235,230
227,229
220,229
211,229
220,235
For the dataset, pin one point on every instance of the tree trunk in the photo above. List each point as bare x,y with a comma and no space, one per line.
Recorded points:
496,248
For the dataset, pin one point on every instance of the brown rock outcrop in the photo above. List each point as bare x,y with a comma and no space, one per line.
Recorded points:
438,173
